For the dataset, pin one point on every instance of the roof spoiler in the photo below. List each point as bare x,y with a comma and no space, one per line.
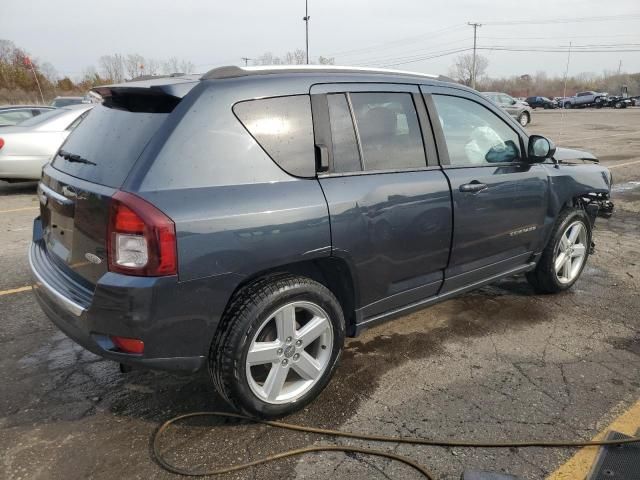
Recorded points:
175,85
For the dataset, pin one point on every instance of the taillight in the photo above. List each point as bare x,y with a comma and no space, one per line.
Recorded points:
1,142
128,345
141,240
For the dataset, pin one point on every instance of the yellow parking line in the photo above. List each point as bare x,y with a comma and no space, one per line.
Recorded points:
580,464
15,290
19,209
624,164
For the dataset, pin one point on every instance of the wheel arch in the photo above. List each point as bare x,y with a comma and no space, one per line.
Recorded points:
332,272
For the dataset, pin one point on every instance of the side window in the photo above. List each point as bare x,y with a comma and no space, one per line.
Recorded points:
284,129
346,157
13,117
389,131
506,100
474,134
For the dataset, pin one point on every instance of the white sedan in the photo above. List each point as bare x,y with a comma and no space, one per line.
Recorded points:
25,148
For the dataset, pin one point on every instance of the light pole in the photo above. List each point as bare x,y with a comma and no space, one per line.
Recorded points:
306,22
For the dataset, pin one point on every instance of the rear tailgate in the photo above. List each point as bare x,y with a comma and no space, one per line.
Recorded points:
74,215
76,188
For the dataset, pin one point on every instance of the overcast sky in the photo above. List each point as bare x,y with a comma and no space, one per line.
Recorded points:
73,34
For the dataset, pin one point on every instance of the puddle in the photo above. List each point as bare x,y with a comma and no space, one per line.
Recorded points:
625,187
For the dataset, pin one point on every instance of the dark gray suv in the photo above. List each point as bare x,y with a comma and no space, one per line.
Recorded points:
247,220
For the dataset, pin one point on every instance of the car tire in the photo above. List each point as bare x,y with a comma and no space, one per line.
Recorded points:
524,119
546,278
250,318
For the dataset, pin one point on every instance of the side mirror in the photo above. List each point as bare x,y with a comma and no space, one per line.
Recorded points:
513,101
540,148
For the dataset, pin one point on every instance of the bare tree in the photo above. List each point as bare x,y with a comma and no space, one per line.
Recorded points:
49,71
186,67
326,60
170,66
134,65
152,67
462,69
295,57
112,67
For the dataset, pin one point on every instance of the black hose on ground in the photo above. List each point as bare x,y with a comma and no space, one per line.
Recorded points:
358,436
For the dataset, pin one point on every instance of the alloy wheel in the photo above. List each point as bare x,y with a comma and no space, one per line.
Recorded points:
289,353
571,252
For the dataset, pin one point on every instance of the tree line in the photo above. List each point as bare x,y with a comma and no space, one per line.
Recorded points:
539,83
22,77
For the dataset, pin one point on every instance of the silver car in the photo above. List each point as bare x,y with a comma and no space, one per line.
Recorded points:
518,109
25,148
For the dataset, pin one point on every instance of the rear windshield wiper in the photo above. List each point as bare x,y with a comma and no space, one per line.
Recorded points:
72,157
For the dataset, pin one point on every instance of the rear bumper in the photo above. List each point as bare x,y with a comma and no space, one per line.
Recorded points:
176,320
22,167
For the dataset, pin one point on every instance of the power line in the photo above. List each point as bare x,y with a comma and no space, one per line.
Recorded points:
561,37
434,48
393,44
427,57
558,50
599,18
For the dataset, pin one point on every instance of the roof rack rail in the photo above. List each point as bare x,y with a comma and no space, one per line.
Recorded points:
232,71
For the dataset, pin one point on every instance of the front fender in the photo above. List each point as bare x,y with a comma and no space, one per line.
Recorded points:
568,183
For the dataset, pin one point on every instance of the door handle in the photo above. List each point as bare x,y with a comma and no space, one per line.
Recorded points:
473,187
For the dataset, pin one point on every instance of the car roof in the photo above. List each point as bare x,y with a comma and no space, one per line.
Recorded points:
74,98
14,107
179,84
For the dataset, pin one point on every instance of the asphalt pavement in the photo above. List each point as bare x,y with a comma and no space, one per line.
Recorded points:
496,364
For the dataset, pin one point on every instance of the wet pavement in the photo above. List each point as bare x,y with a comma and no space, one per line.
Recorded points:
496,364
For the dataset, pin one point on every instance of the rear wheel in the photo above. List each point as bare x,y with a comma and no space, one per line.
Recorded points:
277,346
566,254
524,119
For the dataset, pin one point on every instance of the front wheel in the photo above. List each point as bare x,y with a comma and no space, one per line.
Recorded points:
277,346
565,256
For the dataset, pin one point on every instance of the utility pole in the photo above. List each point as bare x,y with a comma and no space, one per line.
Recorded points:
473,67
566,76
619,67
306,21
246,60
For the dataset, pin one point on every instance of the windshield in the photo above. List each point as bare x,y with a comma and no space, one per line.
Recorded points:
63,102
107,144
43,117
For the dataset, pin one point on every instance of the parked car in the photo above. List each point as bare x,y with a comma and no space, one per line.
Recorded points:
221,223
517,109
66,101
583,99
542,102
13,114
26,147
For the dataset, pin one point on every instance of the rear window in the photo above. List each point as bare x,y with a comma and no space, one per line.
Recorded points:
284,129
105,146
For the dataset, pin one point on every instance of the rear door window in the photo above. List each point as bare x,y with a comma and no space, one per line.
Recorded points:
283,127
389,131
107,142
346,157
